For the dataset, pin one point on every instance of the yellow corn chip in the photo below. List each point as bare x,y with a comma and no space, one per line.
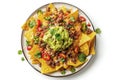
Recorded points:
74,14
45,68
34,49
52,7
84,38
78,63
63,8
85,49
92,43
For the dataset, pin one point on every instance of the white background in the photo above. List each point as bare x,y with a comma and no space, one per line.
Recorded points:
103,13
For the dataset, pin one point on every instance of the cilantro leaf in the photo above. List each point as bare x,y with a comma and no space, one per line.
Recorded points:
38,54
82,57
22,59
98,31
57,36
32,23
19,52
72,69
39,12
63,72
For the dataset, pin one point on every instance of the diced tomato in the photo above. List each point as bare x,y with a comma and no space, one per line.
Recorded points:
39,29
62,55
46,56
76,49
39,23
42,34
88,24
82,18
29,47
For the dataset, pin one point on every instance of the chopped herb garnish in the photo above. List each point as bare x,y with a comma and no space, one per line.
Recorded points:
57,36
69,26
27,43
47,18
36,39
22,59
39,12
98,31
84,26
82,57
32,23
72,69
72,19
63,72
19,52
52,31
62,60
50,24
38,54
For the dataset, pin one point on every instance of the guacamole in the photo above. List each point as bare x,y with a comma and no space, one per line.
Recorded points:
57,38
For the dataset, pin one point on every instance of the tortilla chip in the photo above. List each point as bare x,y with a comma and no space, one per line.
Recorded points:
92,50
77,26
92,43
92,46
25,27
63,8
29,34
84,38
35,61
34,49
92,35
41,17
65,66
78,63
74,14
85,49
45,68
52,7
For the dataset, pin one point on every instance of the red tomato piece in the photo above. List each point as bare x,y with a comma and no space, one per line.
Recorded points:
46,56
62,55
29,47
39,29
82,18
88,24
76,49
39,23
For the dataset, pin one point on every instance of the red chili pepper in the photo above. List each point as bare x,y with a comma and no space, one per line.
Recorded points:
62,55
46,56
29,47
82,18
39,23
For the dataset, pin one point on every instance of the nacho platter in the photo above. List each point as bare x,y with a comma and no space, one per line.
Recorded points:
52,58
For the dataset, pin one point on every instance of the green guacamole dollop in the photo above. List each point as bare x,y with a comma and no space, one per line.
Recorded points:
57,38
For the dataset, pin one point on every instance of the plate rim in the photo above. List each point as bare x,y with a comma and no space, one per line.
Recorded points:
83,66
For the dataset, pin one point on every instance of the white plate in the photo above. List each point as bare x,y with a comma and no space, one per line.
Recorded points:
23,40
